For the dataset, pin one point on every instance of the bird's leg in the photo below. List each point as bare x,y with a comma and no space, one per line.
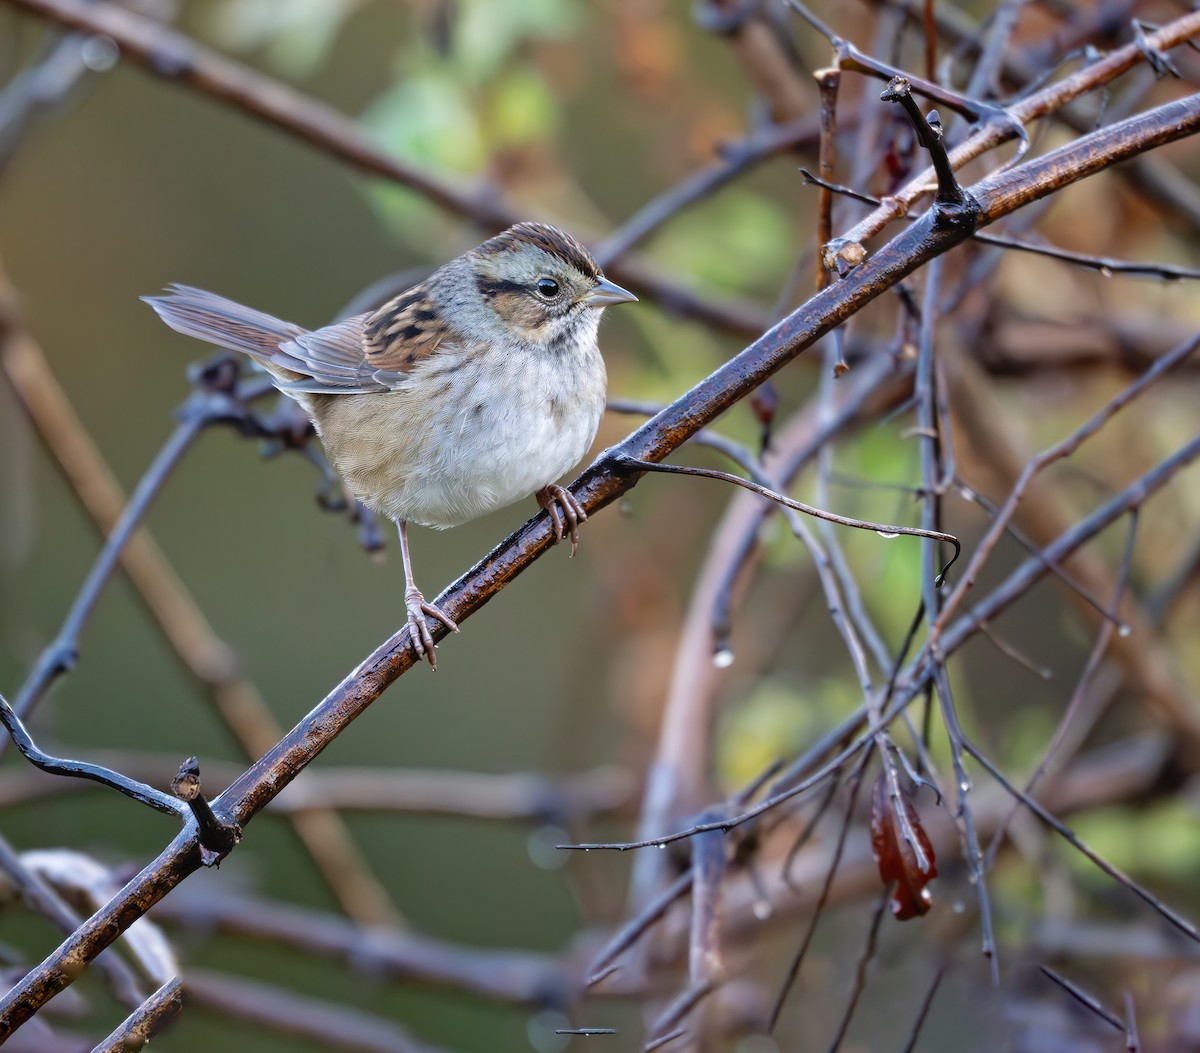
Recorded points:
553,498
417,608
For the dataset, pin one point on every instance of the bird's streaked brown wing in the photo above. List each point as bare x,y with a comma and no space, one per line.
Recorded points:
369,352
403,332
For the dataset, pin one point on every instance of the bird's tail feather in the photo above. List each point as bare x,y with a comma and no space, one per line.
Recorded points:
223,322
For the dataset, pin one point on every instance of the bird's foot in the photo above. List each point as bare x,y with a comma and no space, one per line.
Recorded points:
422,638
566,512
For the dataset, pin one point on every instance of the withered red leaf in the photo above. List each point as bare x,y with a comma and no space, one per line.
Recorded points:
902,849
764,402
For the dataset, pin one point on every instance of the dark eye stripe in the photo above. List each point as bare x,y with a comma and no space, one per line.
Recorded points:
490,288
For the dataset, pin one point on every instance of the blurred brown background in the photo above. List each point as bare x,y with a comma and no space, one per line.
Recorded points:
581,112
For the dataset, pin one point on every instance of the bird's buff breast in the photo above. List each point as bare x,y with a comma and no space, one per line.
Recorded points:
469,434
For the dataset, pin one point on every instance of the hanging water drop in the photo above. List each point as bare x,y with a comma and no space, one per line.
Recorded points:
1124,630
723,658
1106,272
887,534
99,53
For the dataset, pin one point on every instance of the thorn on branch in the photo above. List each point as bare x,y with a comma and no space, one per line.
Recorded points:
1133,1043
842,256
764,403
958,206
217,837
1159,61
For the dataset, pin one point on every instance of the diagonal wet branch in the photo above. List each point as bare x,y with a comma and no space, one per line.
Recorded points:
146,1021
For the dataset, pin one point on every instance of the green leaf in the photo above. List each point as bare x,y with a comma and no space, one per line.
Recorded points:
521,110
425,118
1161,840
489,30
774,721
740,241
296,36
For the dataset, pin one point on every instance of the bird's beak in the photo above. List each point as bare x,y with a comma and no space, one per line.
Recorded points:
607,293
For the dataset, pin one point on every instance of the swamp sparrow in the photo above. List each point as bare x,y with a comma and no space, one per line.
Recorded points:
477,387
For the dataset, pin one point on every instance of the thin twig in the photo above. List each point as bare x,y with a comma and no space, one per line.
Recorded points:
217,837
860,971
1069,835
62,654
1083,998
923,1012
972,854
793,971
886,530
76,769
1049,755
1133,1042
1057,452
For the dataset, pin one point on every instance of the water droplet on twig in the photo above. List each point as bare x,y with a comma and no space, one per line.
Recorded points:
722,658
99,53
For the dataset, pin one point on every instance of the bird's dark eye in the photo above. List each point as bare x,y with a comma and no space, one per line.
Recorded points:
547,287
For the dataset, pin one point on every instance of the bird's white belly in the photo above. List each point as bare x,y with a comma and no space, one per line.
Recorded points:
468,447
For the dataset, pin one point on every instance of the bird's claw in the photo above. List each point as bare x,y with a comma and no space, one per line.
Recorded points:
565,510
422,638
